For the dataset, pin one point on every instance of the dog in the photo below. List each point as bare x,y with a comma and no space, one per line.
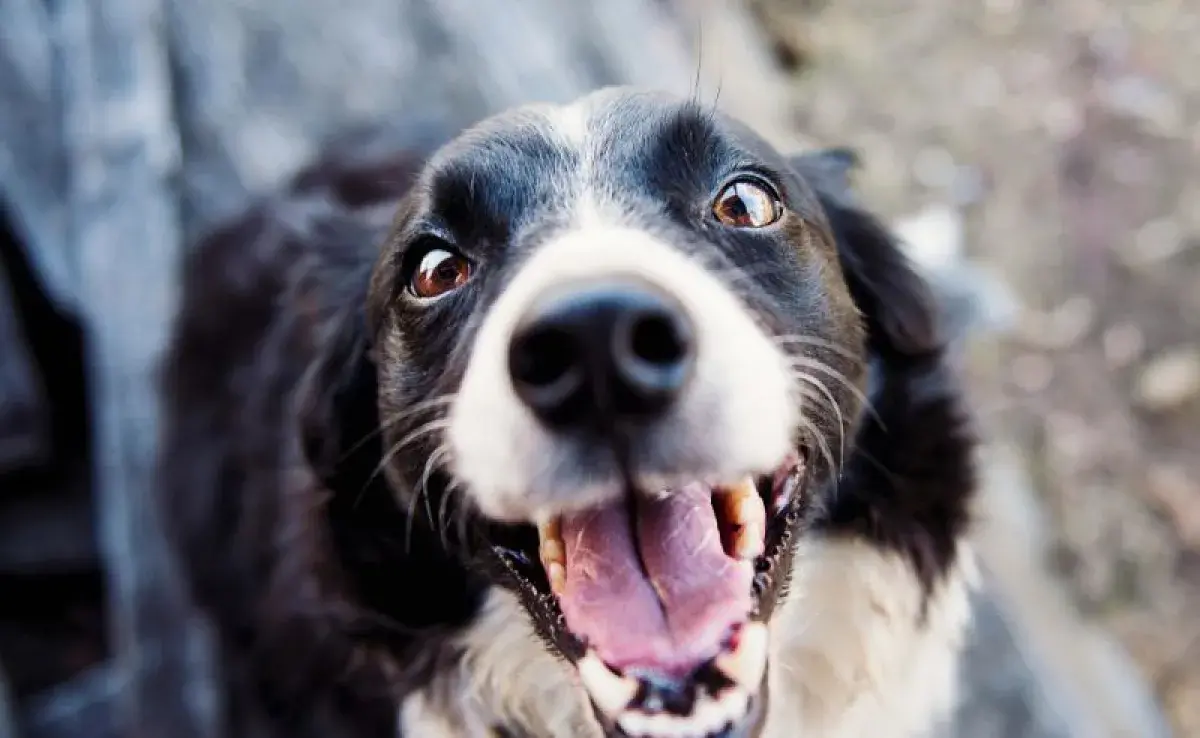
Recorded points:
601,419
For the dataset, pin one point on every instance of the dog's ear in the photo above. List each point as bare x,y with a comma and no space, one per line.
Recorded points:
894,299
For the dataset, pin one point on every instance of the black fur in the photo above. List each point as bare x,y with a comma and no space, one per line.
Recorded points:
292,544
331,597
909,484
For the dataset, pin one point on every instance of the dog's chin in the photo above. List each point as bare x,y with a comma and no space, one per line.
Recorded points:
661,599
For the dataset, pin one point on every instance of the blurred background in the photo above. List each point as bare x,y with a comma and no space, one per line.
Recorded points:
1041,159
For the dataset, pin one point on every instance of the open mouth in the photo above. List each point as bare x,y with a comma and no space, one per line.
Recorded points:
668,596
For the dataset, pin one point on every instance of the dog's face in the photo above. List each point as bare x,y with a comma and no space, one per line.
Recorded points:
617,338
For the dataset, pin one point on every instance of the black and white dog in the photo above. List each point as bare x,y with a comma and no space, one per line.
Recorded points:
604,420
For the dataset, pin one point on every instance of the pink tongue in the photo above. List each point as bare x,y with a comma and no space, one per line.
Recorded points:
698,593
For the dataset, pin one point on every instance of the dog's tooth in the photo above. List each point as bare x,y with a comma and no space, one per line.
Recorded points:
742,509
733,705
749,542
745,487
550,547
741,503
708,714
635,723
639,724
557,574
550,529
611,692
750,510
746,664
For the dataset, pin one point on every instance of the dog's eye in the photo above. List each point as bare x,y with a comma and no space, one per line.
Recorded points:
439,271
747,204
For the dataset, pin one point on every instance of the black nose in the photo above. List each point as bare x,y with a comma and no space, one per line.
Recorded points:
601,354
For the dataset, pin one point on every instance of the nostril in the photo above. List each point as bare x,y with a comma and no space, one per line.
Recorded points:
544,357
657,339
652,355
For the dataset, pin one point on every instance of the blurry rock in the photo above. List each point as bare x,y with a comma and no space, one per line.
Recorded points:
1146,100
1184,701
1156,242
1032,372
1063,327
1179,498
1169,381
934,167
1123,344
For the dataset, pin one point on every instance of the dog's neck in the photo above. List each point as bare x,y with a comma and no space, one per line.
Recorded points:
858,649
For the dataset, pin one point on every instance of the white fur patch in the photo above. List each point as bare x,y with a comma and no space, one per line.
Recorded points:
851,657
735,418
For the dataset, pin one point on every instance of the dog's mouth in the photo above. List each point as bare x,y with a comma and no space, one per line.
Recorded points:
668,596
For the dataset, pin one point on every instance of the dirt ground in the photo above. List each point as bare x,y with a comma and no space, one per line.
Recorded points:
1068,134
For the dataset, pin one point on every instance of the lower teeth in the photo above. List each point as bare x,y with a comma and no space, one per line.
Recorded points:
744,666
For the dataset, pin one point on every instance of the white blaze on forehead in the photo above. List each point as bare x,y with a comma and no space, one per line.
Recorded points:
570,122
590,127
573,127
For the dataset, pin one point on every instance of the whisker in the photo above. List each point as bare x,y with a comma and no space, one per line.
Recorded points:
807,362
807,424
408,412
391,453
833,405
412,515
422,492
431,464
823,447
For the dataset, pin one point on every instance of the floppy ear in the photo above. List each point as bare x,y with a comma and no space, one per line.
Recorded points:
894,299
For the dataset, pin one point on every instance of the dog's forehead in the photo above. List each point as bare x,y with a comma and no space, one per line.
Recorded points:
612,123
607,139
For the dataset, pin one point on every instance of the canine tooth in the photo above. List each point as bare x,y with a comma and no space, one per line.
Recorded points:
557,574
741,503
550,549
609,691
549,529
748,542
746,664
742,508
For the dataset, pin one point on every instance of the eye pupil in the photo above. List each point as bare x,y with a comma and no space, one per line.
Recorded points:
439,271
745,204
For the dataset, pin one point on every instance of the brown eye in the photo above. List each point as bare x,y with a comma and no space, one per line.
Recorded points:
747,204
439,271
